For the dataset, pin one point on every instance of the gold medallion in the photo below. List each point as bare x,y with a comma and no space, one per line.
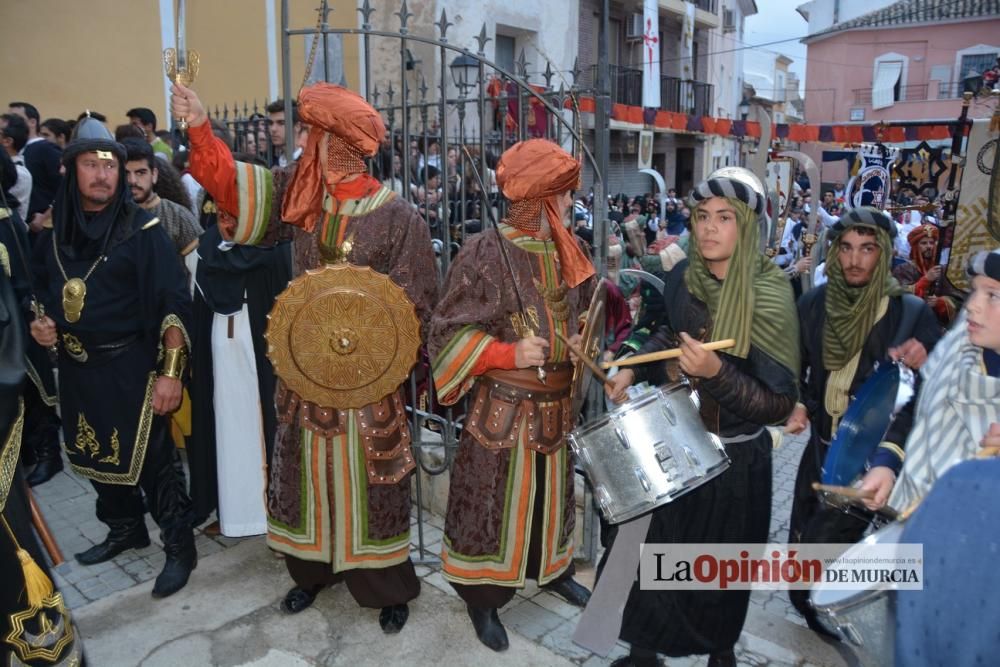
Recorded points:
74,293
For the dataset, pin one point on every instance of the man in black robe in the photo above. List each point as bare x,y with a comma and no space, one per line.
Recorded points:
116,302
856,320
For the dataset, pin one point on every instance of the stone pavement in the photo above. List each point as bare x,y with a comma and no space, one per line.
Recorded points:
229,615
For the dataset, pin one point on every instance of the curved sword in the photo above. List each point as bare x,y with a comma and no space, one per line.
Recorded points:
812,171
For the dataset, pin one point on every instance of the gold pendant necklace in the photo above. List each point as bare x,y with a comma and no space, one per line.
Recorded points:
74,292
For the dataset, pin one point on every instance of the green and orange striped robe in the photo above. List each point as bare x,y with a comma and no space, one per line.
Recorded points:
493,491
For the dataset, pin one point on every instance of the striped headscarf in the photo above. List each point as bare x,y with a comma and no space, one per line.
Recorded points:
754,304
851,312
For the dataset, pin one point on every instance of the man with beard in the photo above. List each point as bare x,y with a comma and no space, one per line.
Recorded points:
339,511
923,277
141,175
116,303
861,317
511,507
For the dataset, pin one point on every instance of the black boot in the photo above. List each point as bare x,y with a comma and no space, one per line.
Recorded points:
49,458
570,590
488,627
638,657
298,599
393,618
182,557
124,534
725,658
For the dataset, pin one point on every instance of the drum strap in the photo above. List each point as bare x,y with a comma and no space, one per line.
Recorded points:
743,437
601,621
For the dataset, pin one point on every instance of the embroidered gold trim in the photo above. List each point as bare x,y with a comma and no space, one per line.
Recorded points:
74,348
112,458
555,299
5,259
51,401
131,477
86,437
10,454
29,647
171,320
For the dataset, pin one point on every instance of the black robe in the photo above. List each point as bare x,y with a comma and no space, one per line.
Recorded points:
733,507
21,625
222,280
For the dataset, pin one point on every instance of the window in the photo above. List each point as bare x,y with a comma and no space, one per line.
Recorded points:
976,64
886,84
505,53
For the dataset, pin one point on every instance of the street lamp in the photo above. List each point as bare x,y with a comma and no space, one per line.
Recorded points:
465,73
744,108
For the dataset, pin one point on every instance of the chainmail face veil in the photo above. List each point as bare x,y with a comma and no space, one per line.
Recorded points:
525,215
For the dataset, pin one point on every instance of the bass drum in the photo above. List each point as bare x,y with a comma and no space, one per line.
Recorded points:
864,618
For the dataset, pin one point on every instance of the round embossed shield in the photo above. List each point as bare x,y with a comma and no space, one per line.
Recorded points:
593,336
343,336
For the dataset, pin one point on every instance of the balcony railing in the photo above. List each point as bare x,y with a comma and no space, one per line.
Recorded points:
920,92
690,97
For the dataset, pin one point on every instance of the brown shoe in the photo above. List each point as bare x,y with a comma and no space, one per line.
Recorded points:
211,530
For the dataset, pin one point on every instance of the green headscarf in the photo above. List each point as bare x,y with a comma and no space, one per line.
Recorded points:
754,303
851,311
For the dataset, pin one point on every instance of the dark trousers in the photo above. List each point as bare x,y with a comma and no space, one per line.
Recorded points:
492,596
41,427
161,482
372,588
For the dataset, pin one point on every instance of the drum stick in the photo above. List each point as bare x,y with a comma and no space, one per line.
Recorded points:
595,369
666,354
43,532
905,514
987,452
846,491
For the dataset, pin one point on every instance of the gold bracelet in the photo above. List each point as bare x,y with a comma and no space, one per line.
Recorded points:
174,362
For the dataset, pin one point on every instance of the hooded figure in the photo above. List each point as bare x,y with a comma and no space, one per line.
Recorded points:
116,301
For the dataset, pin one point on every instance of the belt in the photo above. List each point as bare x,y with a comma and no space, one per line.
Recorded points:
558,378
106,350
743,437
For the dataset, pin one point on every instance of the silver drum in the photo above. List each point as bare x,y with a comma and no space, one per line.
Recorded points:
862,618
647,452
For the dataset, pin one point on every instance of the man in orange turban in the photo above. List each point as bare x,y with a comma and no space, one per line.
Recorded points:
923,276
511,508
320,473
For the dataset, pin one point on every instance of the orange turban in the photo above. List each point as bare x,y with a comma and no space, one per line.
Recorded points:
921,232
344,129
531,174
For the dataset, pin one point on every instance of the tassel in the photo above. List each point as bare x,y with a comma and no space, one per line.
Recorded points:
36,583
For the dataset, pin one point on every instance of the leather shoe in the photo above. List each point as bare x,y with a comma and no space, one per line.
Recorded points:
638,657
488,627
393,618
116,542
570,590
725,658
298,599
45,470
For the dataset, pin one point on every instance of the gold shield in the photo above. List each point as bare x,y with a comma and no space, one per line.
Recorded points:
343,336
593,335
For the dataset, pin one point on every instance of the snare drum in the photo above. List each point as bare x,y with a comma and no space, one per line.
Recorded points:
647,452
863,618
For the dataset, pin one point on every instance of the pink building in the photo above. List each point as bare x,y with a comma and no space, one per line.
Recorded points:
910,60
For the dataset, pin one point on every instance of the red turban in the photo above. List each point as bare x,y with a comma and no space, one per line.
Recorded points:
344,129
532,174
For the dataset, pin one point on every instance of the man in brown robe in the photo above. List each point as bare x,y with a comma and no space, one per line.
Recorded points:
339,511
511,508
